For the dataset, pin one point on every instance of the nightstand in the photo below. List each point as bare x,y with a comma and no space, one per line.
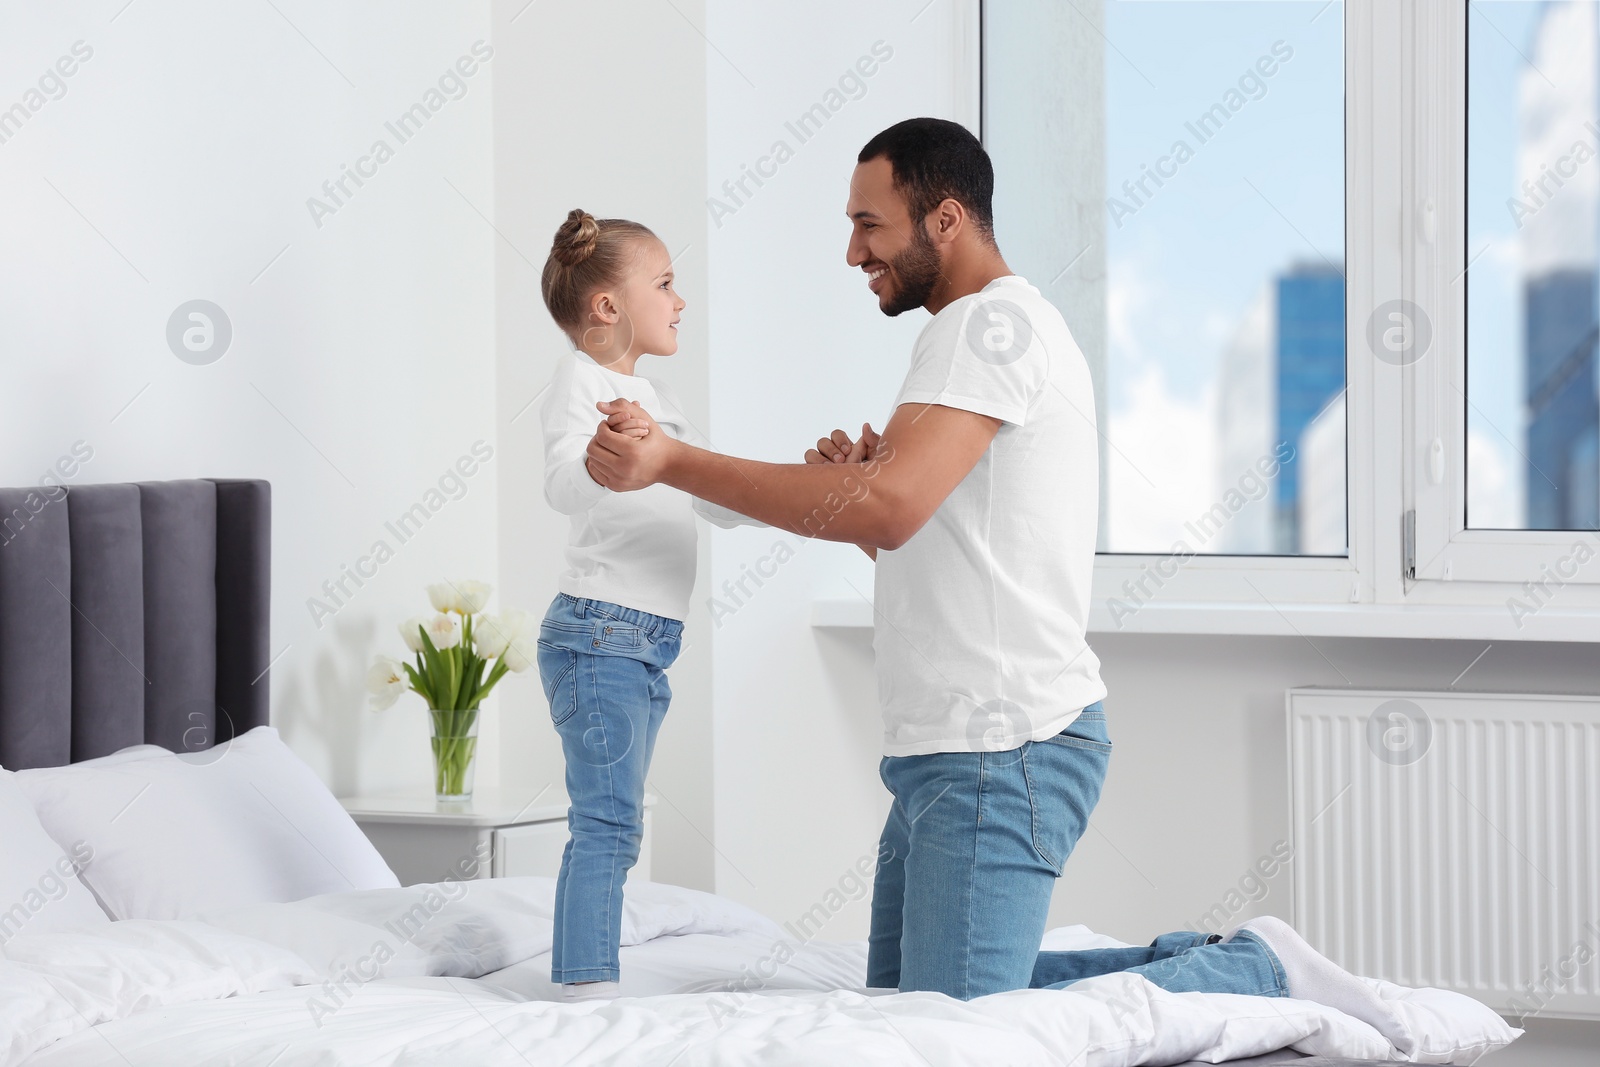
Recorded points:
499,833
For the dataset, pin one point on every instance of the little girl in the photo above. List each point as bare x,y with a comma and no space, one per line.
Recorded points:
617,621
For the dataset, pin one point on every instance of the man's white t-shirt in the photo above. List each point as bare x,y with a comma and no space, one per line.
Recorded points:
636,549
981,615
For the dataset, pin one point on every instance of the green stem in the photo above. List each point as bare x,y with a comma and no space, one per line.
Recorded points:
497,672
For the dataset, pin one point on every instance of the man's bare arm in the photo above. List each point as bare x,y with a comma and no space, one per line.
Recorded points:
922,456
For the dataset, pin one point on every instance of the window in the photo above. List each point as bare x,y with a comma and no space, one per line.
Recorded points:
1501,452
1178,188
1533,187
1411,185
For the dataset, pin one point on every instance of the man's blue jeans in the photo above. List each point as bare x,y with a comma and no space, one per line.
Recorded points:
603,669
969,857
1179,962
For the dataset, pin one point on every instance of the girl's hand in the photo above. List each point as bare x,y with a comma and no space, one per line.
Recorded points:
621,462
628,418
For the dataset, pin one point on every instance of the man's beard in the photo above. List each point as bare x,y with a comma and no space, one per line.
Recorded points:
916,271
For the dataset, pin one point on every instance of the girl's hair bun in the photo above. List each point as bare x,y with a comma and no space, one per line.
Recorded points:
576,238
587,255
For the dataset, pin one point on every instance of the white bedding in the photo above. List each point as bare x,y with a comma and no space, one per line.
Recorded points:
453,973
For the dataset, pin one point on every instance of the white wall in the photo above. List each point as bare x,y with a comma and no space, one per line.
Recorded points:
798,347
375,348
613,123
177,165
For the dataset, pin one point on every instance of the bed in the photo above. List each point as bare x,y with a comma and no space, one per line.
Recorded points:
181,889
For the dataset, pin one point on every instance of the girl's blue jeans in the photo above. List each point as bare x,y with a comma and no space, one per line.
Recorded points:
969,857
603,668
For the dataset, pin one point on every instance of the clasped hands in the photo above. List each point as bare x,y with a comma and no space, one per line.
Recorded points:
628,452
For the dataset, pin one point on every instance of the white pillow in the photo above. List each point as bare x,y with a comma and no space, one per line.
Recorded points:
1443,1026
246,822
125,755
39,887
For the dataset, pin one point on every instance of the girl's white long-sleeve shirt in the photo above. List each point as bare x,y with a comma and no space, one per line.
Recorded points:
634,549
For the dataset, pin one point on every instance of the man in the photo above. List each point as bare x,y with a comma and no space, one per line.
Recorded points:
978,502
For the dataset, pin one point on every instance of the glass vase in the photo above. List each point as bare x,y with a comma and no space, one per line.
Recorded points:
455,742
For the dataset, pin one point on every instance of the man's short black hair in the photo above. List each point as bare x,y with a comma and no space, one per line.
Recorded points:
935,160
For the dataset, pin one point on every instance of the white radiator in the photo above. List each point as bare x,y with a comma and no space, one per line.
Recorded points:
1452,840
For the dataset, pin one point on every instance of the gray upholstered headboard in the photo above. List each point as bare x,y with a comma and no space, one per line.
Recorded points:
132,613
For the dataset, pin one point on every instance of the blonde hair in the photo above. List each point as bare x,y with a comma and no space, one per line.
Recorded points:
588,254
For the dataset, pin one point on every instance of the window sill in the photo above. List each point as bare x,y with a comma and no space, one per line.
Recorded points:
1430,622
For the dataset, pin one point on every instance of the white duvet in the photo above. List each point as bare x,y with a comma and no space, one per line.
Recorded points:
454,973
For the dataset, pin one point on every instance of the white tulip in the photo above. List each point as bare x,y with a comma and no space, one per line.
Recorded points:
520,653
444,631
523,648
465,596
386,682
408,631
443,597
491,634
473,595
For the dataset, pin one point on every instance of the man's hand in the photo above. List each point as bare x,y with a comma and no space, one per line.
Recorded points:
840,449
622,462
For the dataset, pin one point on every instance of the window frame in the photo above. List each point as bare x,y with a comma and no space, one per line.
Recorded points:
1447,549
